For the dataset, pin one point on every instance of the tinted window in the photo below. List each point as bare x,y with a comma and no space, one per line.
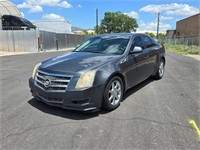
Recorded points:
15,21
148,42
26,22
6,22
137,42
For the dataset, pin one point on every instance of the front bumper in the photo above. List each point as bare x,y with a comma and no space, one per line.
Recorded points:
85,100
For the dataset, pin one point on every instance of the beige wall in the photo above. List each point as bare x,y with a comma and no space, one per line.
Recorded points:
189,26
170,33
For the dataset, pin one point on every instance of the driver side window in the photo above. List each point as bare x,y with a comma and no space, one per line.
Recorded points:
149,42
137,42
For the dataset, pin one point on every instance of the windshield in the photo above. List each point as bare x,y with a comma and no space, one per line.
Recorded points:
106,45
28,23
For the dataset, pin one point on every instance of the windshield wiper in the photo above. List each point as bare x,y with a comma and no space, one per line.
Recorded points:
89,51
96,52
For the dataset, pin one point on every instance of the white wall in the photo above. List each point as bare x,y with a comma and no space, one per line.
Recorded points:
18,40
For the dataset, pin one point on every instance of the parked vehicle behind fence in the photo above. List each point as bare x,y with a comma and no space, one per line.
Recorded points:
10,22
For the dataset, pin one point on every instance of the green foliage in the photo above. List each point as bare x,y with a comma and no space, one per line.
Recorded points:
182,49
161,35
116,22
87,33
95,29
161,42
150,34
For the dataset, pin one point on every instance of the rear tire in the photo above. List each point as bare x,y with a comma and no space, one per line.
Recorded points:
160,71
113,93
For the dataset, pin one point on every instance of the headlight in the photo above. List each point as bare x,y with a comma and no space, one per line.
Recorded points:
86,80
35,70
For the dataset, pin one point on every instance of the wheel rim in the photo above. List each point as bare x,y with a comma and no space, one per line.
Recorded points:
115,92
161,68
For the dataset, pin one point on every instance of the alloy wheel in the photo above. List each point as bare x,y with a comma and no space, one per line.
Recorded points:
161,68
115,92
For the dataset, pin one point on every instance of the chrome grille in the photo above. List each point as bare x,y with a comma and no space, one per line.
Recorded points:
56,83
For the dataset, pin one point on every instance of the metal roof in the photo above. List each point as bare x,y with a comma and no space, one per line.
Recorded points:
8,8
58,26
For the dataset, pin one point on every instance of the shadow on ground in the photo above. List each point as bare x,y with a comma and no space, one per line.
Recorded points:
76,115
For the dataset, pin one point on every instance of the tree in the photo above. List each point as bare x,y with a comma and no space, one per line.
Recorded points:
85,32
161,35
116,22
150,34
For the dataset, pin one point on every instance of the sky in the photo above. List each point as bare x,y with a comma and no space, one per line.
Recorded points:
81,13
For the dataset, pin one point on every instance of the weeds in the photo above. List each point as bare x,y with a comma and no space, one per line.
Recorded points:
183,49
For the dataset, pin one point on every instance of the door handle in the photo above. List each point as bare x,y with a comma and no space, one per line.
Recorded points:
146,56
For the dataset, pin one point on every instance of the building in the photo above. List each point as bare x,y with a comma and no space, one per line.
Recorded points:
8,8
170,33
57,26
189,26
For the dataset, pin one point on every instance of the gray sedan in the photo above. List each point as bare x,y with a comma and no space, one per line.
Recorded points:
97,73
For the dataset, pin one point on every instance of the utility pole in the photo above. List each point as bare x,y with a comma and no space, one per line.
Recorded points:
158,25
97,26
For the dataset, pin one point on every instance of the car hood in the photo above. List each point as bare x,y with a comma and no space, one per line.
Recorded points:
77,61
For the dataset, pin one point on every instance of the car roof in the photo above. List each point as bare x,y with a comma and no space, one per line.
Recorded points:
7,16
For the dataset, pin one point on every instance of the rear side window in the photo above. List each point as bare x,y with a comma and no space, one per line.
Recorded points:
6,22
148,42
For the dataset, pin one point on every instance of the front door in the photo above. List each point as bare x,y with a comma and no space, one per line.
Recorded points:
136,64
152,54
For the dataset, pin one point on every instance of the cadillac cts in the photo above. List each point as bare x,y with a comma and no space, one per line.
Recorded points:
97,73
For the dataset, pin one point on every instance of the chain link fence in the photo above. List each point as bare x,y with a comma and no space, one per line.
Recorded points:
190,43
183,40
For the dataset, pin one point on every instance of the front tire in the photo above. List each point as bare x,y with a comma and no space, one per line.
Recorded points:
160,71
113,93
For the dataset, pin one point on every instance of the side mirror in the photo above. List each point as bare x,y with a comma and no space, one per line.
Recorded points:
136,49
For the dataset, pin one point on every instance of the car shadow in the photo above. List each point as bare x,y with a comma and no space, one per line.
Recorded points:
137,88
132,91
77,115
64,113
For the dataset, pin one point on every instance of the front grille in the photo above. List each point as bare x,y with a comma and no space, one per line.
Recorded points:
49,99
57,83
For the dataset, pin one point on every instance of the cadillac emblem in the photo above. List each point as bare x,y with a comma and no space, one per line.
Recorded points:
47,82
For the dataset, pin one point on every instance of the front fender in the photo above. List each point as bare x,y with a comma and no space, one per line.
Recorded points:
105,73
